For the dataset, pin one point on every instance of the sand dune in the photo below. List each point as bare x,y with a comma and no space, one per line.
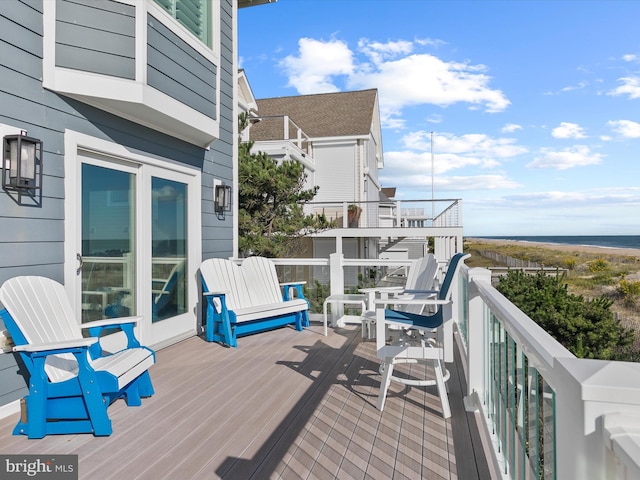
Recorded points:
634,252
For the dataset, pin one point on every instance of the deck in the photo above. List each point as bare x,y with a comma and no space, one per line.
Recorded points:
285,404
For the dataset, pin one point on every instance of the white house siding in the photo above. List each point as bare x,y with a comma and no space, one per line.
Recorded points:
335,174
32,236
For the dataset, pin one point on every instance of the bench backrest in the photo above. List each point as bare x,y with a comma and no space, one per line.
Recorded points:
262,281
254,283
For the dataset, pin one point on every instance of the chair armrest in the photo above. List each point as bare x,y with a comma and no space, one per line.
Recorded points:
54,347
422,292
126,324
409,301
381,289
111,322
215,294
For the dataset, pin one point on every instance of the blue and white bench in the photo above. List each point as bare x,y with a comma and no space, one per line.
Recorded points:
247,299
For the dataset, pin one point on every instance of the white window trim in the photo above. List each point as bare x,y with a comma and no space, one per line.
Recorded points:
75,144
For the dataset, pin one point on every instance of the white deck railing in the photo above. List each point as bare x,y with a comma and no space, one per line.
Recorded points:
548,414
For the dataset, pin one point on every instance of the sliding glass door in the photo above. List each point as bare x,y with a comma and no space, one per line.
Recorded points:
137,249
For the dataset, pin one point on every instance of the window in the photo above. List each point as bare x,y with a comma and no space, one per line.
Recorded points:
195,15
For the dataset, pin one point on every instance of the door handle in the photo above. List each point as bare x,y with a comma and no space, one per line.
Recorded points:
80,263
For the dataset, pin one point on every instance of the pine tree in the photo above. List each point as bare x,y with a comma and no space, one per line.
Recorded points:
271,198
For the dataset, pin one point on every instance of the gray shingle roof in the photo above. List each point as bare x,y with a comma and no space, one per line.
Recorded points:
325,114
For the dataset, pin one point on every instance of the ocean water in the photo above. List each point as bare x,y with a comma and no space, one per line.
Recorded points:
611,241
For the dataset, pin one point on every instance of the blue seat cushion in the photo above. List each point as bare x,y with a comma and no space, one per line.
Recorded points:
414,319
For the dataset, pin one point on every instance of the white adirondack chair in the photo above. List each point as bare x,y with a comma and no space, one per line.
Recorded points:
72,381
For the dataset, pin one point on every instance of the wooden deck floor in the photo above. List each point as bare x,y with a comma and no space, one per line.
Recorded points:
285,404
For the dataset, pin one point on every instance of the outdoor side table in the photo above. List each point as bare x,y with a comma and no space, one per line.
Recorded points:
344,299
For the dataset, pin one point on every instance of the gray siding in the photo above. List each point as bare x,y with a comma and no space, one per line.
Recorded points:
32,235
13,384
176,69
96,37
217,235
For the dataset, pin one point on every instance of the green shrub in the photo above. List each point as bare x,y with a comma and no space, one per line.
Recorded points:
630,291
587,328
599,265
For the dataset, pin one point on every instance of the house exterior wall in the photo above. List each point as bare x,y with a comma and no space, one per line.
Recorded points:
335,171
32,236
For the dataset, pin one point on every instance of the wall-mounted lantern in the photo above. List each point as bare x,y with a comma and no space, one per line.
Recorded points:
21,162
222,198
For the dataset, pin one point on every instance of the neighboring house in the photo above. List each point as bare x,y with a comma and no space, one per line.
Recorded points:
337,137
135,102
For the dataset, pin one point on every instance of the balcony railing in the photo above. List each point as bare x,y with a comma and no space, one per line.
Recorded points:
547,414
391,214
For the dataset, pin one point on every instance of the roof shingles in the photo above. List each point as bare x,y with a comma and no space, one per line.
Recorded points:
324,115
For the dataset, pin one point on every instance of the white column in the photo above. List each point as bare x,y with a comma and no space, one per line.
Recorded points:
336,274
475,333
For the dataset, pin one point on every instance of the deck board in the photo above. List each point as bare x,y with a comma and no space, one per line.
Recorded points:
285,404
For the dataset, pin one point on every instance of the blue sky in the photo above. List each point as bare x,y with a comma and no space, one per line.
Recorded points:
534,105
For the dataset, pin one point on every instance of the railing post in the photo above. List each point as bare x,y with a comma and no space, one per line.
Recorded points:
336,273
588,392
475,332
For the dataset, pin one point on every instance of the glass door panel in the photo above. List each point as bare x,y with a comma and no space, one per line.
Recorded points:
168,248
108,243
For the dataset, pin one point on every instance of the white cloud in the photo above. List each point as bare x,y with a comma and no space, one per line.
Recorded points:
473,144
435,118
630,86
576,156
425,79
511,127
430,42
592,198
625,128
379,52
630,57
316,65
568,130
451,183
402,77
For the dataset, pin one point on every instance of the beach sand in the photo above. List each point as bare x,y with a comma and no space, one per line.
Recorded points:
633,252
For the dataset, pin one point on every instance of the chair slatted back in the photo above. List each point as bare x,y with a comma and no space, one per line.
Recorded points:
42,312
221,275
262,281
425,270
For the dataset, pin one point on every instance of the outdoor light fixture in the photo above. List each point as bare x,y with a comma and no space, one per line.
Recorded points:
222,198
21,162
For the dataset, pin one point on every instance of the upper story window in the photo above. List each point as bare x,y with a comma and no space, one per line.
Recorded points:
195,15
